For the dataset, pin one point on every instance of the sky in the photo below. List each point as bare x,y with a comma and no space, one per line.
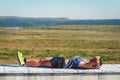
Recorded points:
73,9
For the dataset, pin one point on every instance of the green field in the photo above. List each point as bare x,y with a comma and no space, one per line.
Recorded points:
67,41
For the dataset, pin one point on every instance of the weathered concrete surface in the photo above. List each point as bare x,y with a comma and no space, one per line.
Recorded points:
14,72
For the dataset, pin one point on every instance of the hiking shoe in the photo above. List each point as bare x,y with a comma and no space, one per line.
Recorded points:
20,58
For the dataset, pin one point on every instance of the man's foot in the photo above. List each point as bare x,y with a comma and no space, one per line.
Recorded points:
21,59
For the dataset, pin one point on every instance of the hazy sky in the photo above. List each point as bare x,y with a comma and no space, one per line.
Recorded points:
74,9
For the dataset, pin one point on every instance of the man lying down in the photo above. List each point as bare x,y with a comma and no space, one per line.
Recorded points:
61,62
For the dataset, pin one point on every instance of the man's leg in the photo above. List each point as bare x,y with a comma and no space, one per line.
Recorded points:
38,62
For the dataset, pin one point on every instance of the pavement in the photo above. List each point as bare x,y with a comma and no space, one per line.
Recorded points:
106,68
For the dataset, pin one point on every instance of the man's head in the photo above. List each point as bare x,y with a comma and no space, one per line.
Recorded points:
96,62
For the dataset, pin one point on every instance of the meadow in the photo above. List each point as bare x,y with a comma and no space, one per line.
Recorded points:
63,41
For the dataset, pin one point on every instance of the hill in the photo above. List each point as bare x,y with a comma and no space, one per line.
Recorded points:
13,21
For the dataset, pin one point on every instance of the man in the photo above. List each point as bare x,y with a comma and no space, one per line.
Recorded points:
60,62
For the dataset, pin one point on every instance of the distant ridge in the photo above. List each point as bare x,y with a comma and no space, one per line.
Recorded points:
14,21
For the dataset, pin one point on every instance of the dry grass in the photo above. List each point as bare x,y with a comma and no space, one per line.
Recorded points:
67,41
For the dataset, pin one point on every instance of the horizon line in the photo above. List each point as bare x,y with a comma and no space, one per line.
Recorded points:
64,18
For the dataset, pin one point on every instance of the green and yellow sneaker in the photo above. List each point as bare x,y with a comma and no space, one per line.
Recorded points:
20,58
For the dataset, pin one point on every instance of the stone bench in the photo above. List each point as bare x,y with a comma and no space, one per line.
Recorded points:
14,72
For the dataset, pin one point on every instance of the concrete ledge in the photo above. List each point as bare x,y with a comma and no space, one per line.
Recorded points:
15,72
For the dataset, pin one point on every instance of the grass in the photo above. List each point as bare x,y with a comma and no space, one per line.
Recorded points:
67,41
